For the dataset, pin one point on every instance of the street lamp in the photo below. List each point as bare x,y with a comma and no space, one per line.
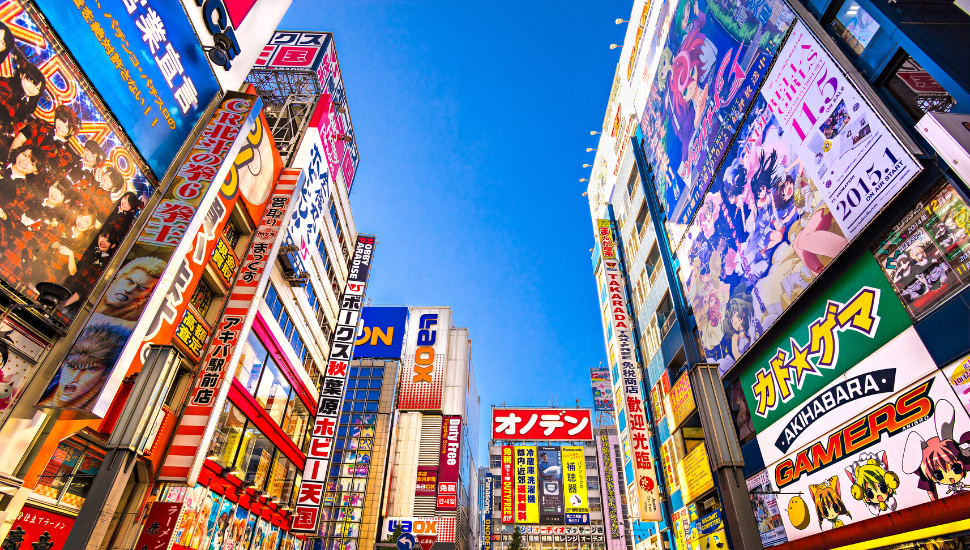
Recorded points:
594,132
582,180
621,21
587,165
590,149
615,46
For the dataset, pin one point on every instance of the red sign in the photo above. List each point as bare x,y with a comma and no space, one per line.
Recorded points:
508,499
159,526
34,525
542,424
427,483
448,463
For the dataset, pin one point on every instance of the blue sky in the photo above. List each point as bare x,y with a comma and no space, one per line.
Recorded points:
472,121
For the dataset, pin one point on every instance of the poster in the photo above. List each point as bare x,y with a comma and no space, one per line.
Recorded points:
714,58
550,486
199,510
602,389
235,531
958,373
694,474
427,481
574,483
925,255
764,503
448,463
221,530
526,489
847,150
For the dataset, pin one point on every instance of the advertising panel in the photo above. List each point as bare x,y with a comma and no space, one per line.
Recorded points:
857,315
294,51
602,389
924,256
427,530
706,532
39,528
311,207
381,332
161,270
51,229
574,482
20,350
542,424
713,60
605,235
425,357
694,474
427,481
681,526
643,493
192,435
508,480
609,477
904,451
958,373
486,535
448,463
331,118
765,505
160,525
848,151
526,489
550,486
310,493
679,403
151,71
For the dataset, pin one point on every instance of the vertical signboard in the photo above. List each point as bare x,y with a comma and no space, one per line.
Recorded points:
159,526
526,491
426,484
602,389
574,482
311,206
425,357
448,463
486,535
606,449
508,498
551,499
643,494
310,494
331,118
39,528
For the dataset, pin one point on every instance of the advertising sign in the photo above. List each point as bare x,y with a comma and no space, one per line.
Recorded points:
925,255
857,163
487,513
958,373
160,524
149,68
606,450
679,403
681,526
550,486
602,389
605,235
311,207
901,452
427,530
643,493
542,424
427,481
449,463
574,482
857,315
161,270
310,493
765,505
191,437
425,358
381,332
331,118
526,489
694,474
294,51
712,63
508,480
39,528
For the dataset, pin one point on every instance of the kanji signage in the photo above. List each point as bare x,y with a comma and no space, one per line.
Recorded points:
487,513
159,526
526,490
508,480
426,484
448,463
37,528
679,403
310,494
542,424
574,485
605,235
606,449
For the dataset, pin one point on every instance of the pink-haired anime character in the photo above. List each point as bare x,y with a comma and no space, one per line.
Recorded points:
690,83
940,461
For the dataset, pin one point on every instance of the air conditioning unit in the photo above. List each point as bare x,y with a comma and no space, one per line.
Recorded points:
296,279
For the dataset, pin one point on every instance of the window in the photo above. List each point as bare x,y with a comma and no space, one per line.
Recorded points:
202,298
255,457
286,324
327,264
916,91
595,505
855,26
281,478
633,182
336,220
228,434
592,483
67,479
273,391
643,218
231,234
650,340
591,463
296,420
665,315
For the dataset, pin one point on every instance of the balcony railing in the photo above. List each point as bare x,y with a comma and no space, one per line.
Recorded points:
655,275
668,324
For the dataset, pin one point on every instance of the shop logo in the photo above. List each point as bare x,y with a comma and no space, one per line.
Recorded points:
424,355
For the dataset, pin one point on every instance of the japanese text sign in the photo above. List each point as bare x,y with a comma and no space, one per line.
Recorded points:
526,489
156,533
147,64
449,462
311,206
331,118
427,482
606,448
605,235
508,479
34,526
542,424
574,485
694,474
679,403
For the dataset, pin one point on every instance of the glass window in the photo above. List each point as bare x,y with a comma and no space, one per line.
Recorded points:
254,354
358,407
273,391
297,418
917,92
281,478
256,459
376,383
377,373
228,434
202,298
856,27
361,395
69,474
371,407
364,373
373,395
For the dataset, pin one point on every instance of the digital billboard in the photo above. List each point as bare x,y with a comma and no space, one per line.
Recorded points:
510,424
550,486
425,358
381,332
602,389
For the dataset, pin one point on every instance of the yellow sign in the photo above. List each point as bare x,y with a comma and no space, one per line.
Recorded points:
526,487
574,481
679,403
694,474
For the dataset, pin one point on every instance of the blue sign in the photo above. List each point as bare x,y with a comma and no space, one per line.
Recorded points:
144,59
406,541
380,334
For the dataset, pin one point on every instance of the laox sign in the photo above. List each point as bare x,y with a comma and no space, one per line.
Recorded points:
424,355
418,526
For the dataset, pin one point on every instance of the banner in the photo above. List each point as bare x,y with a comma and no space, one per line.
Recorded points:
486,536
425,359
550,486
160,525
608,476
542,424
574,481
331,118
449,463
602,389
508,496
925,255
764,503
526,491
381,332
427,482
694,474
310,493
160,272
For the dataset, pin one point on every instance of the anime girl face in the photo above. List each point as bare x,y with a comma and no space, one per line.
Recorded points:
828,502
684,77
939,460
872,483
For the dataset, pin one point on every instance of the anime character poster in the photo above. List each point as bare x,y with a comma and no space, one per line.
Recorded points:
236,529
249,532
914,451
716,55
262,530
222,530
924,256
766,512
198,506
762,234
602,389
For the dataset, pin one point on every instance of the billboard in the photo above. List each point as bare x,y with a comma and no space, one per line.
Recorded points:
679,403
602,389
331,118
542,424
857,315
426,484
711,65
310,493
149,69
41,527
311,207
294,51
508,480
694,474
608,477
925,254
381,332
486,535
526,489
449,461
425,358
173,249
427,530
574,483
550,486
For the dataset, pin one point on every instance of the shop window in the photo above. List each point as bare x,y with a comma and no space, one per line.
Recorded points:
281,478
202,298
231,234
254,355
273,391
297,418
916,91
228,434
257,457
67,479
855,26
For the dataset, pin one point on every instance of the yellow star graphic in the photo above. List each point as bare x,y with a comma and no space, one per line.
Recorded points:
799,360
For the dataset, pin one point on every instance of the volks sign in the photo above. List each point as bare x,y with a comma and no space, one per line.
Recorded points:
542,424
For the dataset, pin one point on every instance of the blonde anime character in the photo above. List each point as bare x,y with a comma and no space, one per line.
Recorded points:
873,483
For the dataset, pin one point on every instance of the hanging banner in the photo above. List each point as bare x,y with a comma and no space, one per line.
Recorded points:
310,493
425,358
508,479
574,482
160,525
765,505
608,476
526,491
448,463
602,389
550,486
311,207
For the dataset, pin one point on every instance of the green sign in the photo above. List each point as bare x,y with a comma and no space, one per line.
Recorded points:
856,316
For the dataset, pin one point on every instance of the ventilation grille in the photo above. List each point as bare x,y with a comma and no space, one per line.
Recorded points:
430,441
